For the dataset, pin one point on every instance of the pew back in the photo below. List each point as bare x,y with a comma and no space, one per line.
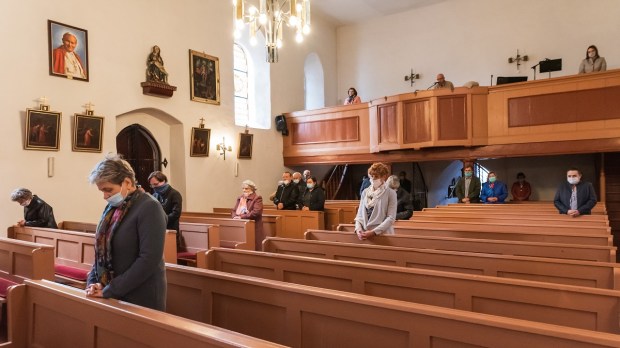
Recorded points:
78,226
272,224
234,233
296,222
26,260
507,227
559,220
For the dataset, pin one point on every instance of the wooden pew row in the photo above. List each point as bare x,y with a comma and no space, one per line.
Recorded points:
22,260
559,220
455,231
561,271
531,215
525,226
234,233
581,307
272,224
78,226
549,207
303,316
196,237
74,252
44,314
294,222
488,246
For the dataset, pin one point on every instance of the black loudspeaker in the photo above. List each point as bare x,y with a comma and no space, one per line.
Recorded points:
281,124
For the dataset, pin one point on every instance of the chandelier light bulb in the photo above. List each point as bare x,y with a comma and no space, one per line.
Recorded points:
253,10
306,29
292,21
299,37
279,43
262,18
239,24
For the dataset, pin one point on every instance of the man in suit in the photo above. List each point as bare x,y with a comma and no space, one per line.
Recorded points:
287,194
575,197
468,188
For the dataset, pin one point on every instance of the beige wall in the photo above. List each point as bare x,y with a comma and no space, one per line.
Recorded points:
121,34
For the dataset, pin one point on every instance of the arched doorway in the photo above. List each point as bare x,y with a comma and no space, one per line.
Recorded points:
141,150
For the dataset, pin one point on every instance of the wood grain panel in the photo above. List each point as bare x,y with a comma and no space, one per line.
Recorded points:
388,124
326,131
575,106
417,122
451,118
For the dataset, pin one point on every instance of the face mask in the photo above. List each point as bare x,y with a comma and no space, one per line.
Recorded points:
310,186
160,189
376,183
245,194
116,199
26,203
286,182
280,182
573,181
469,174
592,54
296,181
492,179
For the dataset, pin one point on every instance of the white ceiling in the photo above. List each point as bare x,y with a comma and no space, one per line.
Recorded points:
347,12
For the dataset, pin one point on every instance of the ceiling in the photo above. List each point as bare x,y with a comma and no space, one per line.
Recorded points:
347,12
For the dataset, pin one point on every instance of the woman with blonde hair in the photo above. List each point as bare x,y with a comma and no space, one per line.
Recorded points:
250,206
377,210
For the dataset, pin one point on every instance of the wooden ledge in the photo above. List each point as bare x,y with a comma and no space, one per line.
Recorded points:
157,89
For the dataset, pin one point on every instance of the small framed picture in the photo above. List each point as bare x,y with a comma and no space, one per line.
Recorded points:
199,142
204,72
245,145
87,133
68,51
42,130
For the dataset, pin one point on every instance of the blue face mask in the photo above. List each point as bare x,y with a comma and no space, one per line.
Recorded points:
468,174
492,179
117,199
160,189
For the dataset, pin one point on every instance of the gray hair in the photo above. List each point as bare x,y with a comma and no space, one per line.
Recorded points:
393,182
250,184
112,169
21,194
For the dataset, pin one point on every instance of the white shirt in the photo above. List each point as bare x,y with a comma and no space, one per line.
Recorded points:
73,66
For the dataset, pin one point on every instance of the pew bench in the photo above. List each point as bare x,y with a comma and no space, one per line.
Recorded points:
530,215
304,316
489,246
294,222
599,209
561,271
45,314
78,226
527,236
233,233
497,226
272,224
197,237
559,220
581,307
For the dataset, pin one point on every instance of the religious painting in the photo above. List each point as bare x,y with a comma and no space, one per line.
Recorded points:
68,51
204,72
87,133
199,142
245,145
42,130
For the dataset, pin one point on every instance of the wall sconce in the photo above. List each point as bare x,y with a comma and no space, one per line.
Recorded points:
518,59
412,77
222,147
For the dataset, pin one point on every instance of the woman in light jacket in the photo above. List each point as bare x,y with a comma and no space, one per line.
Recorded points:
377,210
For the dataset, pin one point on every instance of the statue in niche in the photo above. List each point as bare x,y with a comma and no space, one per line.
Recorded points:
155,71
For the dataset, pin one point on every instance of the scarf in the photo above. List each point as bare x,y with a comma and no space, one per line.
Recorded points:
373,194
110,220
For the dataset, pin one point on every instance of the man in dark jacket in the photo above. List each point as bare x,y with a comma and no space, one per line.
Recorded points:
170,200
37,213
575,197
287,195
404,205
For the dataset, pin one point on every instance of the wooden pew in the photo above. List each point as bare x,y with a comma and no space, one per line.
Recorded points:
455,231
74,252
559,220
234,233
197,237
272,224
345,210
295,222
78,226
524,207
489,246
561,271
26,260
45,314
523,227
303,316
581,307
531,215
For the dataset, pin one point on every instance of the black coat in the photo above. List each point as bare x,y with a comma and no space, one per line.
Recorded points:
39,214
404,205
314,199
586,197
172,202
288,195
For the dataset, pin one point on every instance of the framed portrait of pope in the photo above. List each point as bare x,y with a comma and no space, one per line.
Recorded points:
68,51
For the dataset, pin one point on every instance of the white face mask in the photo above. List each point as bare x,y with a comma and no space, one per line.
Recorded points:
286,182
591,54
26,203
296,181
376,183
116,199
573,181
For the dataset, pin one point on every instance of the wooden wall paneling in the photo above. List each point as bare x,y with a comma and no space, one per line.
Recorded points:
451,118
388,124
416,121
326,131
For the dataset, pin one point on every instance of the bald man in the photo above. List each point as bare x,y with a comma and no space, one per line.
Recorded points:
442,83
66,61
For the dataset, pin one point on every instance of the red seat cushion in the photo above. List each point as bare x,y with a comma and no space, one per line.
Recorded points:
186,255
4,286
71,272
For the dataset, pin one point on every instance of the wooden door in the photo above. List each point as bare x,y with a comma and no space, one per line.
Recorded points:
140,149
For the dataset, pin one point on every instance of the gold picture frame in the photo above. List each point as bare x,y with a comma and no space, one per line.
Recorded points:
87,133
42,131
204,72
246,141
199,142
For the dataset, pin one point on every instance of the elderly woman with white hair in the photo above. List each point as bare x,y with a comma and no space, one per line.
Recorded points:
250,206
37,213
